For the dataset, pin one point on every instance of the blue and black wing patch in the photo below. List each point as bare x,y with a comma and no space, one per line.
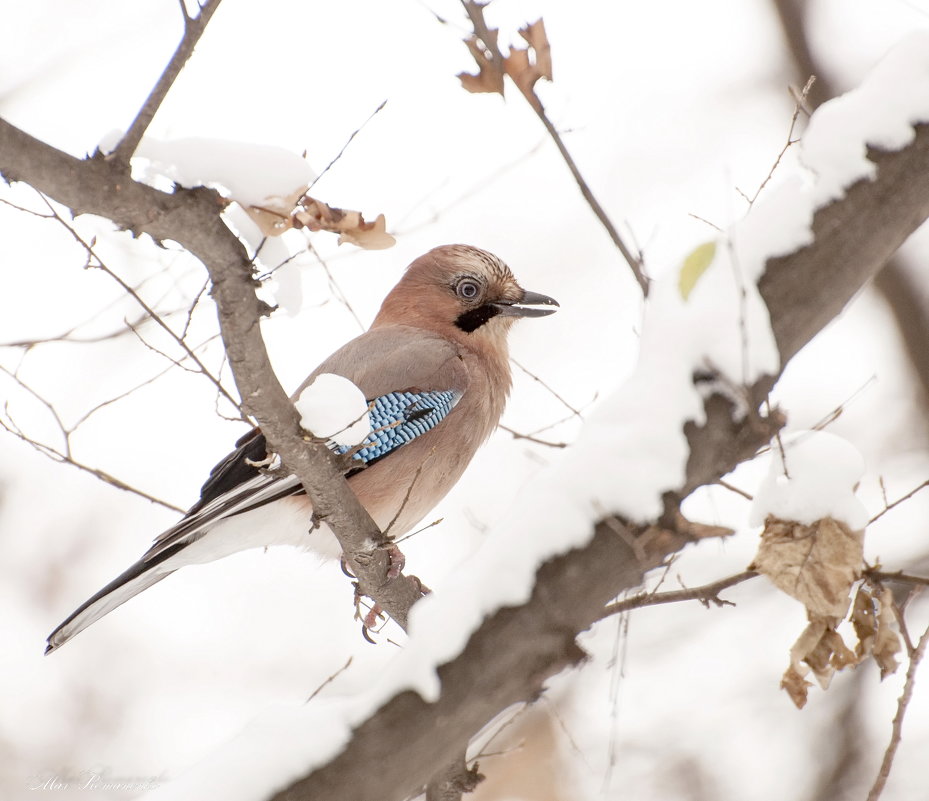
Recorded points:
398,418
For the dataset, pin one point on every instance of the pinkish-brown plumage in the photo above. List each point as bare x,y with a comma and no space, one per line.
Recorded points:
443,327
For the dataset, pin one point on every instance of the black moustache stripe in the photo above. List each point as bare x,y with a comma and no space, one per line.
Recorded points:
472,320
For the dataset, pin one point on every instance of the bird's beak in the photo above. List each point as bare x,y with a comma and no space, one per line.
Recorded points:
518,308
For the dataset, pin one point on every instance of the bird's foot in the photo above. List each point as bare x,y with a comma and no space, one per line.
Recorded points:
370,619
396,561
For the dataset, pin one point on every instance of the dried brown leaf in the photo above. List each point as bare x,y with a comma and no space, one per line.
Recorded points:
275,215
350,225
886,641
489,77
524,72
535,36
796,686
816,564
369,235
864,621
875,626
820,649
829,655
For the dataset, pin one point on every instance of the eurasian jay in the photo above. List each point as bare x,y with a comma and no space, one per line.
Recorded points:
434,367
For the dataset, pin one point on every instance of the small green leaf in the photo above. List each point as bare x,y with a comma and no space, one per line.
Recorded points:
694,266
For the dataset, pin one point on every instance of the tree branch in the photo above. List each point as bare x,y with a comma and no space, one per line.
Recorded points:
706,594
193,30
894,282
192,218
896,735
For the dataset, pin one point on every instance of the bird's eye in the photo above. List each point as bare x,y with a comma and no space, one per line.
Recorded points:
468,289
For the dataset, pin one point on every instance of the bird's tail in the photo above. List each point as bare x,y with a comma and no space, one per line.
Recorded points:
140,576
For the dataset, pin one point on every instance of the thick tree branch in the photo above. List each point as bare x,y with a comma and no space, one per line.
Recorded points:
192,218
894,282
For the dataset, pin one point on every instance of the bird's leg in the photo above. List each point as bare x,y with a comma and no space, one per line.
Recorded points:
370,619
396,561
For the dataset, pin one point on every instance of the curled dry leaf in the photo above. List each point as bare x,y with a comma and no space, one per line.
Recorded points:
535,36
490,75
369,235
796,686
524,72
816,564
523,69
874,622
300,211
274,216
887,641
350,225
820,649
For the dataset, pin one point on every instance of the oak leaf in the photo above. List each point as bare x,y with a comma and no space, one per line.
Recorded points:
524,72
369,235
490,74
537,39
350,225
274,215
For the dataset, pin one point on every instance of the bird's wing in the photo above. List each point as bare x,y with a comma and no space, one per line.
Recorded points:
412,380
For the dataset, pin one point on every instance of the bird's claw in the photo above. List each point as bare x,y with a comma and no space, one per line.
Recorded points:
396,561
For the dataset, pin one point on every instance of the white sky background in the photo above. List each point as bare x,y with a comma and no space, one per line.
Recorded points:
670,105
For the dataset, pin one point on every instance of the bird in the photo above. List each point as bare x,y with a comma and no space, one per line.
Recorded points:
434,369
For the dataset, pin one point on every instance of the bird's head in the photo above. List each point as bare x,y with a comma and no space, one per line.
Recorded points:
464,293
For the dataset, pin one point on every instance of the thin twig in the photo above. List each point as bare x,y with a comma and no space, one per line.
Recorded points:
735,489
98,263
406,498
329,680
420,530
476,188
552,392
897,729
354,133
530,438
635,263
900,576
889,506
708,593
193,30
698,218
64,458
334,285
799,106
